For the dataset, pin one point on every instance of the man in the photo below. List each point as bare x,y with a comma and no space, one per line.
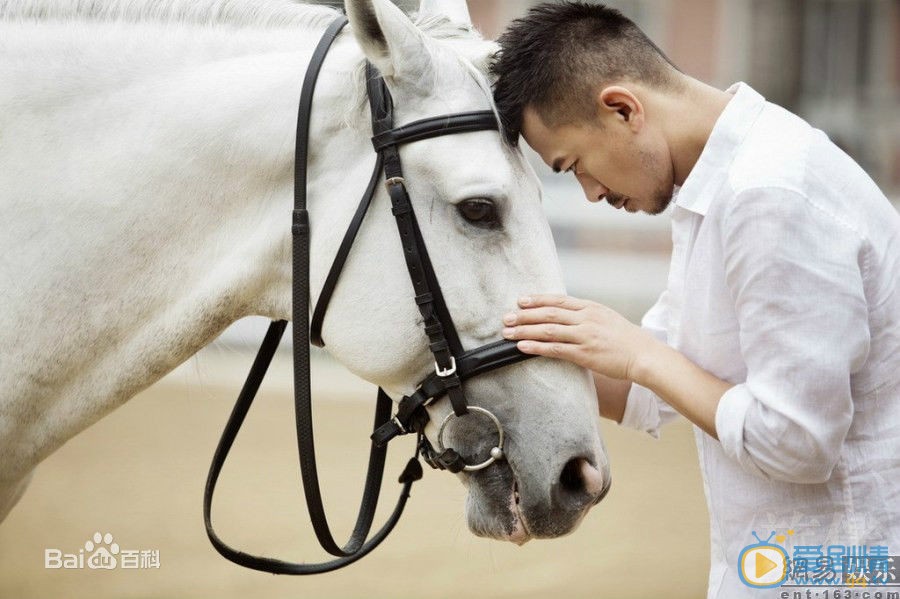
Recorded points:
778,335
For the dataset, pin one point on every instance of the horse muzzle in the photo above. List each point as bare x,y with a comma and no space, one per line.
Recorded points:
504,506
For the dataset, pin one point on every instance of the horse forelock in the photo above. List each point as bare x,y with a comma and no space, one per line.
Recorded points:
458,43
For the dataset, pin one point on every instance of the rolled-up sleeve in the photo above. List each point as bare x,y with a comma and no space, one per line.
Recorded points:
795,272
644,410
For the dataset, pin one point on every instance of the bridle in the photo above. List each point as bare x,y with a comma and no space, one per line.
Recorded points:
453,364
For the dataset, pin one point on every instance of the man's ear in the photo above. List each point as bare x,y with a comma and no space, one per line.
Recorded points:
621,104
390,41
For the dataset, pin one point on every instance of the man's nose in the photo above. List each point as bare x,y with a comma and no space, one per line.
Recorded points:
594,191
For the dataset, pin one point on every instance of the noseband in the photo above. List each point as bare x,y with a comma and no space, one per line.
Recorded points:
452,364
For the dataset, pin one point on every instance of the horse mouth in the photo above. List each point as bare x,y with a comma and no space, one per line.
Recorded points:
519,534
494,505
499,516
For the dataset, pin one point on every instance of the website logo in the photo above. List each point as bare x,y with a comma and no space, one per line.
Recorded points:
100,552
763,565
766,564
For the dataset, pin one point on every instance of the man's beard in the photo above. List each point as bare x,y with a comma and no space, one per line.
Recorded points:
662,195
658,204
661,201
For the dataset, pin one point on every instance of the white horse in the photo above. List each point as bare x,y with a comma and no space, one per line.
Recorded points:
146,160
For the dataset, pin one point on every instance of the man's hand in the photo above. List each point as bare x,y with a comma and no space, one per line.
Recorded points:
580,331
599,339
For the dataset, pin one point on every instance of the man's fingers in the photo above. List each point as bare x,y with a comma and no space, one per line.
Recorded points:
544,315
543,332
552,300
563,351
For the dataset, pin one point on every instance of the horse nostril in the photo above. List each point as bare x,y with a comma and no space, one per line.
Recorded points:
570,477
580,481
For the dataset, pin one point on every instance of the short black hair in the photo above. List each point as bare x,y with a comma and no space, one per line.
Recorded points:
555,58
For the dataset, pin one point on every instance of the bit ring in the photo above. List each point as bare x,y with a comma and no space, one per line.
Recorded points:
496,451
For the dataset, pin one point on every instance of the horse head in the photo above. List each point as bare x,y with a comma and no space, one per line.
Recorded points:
478,203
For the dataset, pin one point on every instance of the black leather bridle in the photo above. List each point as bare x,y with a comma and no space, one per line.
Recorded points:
453,364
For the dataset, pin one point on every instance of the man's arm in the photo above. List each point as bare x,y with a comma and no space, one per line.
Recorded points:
796,271
631,405
612,395
694,392
601,340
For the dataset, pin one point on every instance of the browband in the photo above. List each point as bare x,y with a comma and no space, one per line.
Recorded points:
435,126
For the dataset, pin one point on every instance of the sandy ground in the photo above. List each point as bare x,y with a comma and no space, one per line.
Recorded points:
139,475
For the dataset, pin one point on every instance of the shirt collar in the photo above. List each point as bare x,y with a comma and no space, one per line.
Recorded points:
711,170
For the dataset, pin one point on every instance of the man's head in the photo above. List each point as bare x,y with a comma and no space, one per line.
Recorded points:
577,80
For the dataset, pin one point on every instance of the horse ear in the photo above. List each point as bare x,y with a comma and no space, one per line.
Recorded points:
455,10
389,39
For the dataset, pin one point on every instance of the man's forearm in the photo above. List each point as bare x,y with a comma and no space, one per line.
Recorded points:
612,395
692,391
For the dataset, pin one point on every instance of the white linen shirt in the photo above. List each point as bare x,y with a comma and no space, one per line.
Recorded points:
785,281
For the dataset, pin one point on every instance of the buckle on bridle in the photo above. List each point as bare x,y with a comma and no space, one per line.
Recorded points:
447,371
394,181
399,424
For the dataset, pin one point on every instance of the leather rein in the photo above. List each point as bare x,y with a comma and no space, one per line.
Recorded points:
453,364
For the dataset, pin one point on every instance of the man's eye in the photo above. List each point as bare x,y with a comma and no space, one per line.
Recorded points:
479,212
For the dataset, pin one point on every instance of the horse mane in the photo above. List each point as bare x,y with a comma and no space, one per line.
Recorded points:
238,13
466,40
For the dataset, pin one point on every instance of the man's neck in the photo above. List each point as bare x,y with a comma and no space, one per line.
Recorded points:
689,117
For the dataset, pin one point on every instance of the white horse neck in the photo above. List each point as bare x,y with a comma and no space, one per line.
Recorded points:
146,193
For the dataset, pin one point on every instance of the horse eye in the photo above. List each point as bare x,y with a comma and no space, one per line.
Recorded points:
479,212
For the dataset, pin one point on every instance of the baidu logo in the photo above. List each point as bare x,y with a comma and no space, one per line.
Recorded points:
100,552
